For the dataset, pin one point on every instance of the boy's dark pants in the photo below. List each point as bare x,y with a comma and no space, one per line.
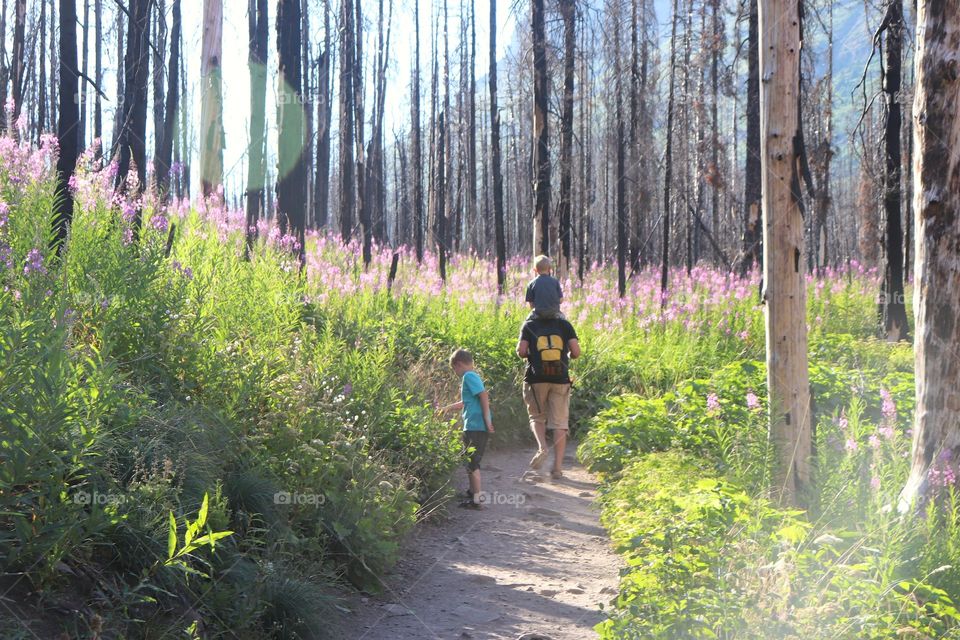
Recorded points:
477,440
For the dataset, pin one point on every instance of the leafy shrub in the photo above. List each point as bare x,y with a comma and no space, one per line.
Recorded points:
630,426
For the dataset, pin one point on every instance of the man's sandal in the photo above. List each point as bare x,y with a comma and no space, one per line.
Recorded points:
556,475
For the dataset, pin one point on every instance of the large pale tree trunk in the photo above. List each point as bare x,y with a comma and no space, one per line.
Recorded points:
783,269
936,135
211,109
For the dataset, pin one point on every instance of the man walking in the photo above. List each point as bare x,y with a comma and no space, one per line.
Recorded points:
548,344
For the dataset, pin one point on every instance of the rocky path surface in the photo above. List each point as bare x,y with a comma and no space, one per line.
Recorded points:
534,563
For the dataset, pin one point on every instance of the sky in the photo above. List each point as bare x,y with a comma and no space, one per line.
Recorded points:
236,81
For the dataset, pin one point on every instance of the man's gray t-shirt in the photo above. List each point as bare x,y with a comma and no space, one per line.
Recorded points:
545,293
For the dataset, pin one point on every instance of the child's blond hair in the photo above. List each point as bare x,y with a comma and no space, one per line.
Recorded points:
462,356
543,264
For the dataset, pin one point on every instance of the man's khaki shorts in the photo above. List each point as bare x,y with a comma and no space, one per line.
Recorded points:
548,404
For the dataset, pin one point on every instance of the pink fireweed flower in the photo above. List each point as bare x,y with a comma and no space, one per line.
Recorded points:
713,403
874,483
851,445
34,263
942,475
889,409
886,431
50,143
159,222
128,211
4,213
874,441
753,402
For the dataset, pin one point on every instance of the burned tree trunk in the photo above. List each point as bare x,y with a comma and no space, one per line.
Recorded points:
473,219
4,65
132,131
568,11
499,232
416,153
668,159
541,184
321,184
291,167
893,313
159,38
98,71
441,182
42,81
752,229
82,127
936,132
69,120
347,168
258,35
18,80
620,177
164,155
363,205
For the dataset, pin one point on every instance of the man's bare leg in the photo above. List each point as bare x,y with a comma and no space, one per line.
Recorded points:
540,432
559,444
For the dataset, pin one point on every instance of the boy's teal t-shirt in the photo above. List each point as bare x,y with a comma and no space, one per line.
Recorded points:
470,387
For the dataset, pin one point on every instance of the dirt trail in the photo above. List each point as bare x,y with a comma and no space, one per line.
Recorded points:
534,561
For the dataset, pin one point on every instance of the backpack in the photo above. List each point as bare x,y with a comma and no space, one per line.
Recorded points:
547,361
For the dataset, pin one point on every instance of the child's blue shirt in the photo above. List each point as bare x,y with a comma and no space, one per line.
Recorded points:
471,386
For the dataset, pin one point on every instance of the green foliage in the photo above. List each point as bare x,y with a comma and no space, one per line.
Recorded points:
630,426
139,388
706,559
708,556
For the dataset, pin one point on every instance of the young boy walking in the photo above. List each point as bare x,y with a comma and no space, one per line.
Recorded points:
477,420
544,293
